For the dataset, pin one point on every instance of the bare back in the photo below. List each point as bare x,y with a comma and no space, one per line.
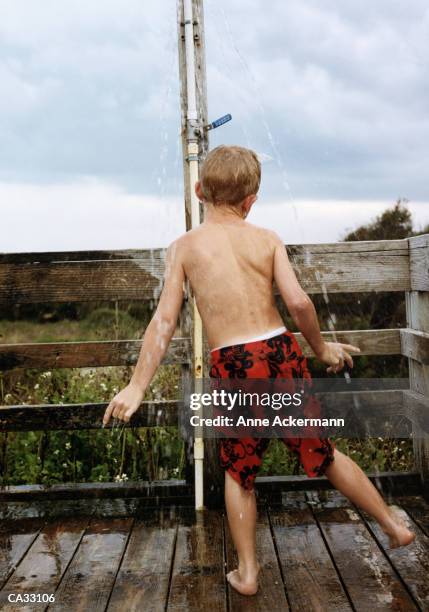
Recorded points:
230,269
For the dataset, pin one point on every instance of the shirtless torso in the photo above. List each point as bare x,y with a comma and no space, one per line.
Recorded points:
230,267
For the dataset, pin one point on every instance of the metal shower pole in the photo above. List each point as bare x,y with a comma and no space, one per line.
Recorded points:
195,145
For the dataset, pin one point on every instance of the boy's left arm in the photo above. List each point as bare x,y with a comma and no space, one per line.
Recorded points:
155,341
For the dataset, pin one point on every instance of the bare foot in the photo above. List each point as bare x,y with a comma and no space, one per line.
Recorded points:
398,532
401,536
246,584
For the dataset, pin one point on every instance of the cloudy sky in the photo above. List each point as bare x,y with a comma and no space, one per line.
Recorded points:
333,95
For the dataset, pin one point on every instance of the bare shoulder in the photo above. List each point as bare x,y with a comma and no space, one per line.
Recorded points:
177,248
269,236
184,239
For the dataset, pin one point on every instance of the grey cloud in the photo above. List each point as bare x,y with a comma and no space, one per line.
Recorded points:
88,92
91,89
344,92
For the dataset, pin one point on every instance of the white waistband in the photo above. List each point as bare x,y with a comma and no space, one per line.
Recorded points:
266,336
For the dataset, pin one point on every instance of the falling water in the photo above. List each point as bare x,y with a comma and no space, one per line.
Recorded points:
166,97
169,96
228,69
277,155
258,97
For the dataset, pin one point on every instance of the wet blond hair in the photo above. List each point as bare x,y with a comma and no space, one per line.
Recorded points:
229,174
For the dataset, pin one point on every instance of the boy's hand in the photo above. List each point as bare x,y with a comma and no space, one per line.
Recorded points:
335,354
124,404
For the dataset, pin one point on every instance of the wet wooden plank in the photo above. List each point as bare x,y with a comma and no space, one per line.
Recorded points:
352,266
83,276
92,507
270,489
142,582
16,537
71,257
89,578
311,580
133,274
198,575
417,508
136,506
395,247
415,344
370,341
395,483
51,355
45,509
158,254
388,403
273,489
271,594
89,354
83,416
99,490
411,562
370,580
417,312
419,262
41,569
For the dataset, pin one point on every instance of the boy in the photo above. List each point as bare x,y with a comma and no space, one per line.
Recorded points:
231,266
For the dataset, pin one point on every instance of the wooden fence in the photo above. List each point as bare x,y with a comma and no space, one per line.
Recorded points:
82,276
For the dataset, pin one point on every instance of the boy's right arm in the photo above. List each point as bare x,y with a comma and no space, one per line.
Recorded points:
156,339
302,310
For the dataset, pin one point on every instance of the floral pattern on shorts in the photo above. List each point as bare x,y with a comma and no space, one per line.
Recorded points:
277,357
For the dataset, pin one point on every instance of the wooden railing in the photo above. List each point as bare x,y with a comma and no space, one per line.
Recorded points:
346,267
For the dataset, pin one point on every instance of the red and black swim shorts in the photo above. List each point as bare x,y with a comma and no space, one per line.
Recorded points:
276,357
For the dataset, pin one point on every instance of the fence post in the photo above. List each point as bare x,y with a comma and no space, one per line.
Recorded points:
417,310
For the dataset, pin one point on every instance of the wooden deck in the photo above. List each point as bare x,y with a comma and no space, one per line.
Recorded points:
317,553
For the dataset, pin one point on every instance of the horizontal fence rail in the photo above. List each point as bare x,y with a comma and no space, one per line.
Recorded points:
81,276
370,341
164,413
269,488
52,417
137,274
125,352
349,267
85,354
